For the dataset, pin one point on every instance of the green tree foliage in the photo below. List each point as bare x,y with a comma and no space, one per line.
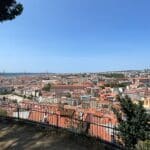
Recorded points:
143,145
68,95
5,92
3,112
47,87
116,85
113,75
40,93
9,9
133,122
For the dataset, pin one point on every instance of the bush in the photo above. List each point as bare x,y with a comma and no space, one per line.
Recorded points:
47,87
3,112
143,145
133,122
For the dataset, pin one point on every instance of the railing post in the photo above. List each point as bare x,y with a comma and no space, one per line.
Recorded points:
18,111
57,120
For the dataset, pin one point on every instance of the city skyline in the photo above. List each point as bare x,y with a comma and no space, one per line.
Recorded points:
73,36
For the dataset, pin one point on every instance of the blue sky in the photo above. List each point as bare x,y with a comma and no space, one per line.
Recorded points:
77,36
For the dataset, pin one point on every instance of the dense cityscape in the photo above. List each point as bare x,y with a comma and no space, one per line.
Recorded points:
72,75
89,97
87,91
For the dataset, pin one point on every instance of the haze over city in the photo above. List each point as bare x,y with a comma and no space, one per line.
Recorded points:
77,36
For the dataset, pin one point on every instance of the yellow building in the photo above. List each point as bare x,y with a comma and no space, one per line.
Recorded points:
147,102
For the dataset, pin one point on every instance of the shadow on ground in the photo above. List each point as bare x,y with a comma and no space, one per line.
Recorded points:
25,137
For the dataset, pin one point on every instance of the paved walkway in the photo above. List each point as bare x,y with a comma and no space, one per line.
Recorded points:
16,137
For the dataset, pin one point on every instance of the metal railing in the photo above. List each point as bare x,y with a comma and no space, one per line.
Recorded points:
92,126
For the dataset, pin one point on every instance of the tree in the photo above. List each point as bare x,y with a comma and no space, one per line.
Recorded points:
68,95
47,87
133,122
4,98
40,93
9,9
3,112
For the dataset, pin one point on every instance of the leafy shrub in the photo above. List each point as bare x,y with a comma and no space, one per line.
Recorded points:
3,112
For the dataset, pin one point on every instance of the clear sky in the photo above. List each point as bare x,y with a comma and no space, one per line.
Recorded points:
77,36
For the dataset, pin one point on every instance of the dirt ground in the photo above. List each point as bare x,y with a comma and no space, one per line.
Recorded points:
24,137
